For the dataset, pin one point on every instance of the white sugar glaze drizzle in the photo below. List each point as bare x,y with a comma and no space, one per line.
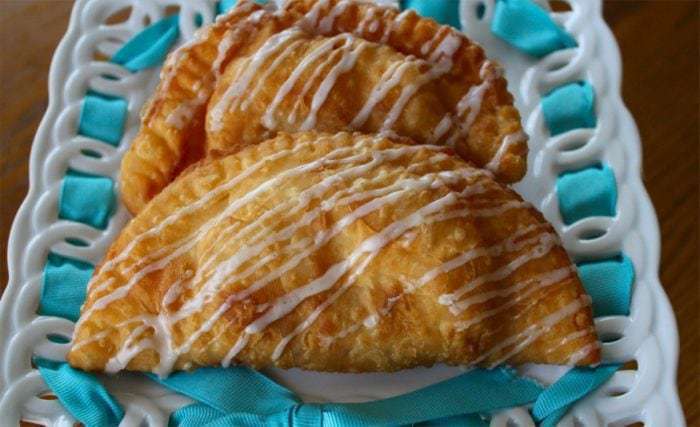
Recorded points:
428,46
539,282
119,293
447,48
321,284
279,60
194,207
545,243
231,97
533,332
182,115
103,334
161,340
317,190
207,325
506,246
372,320
257,16
325,25
440,63
406,94
441,129
292,117
408,238
568,338
127,351
520,340
508,141
285,304
240,345
546,280
493,211
345,64
390,79
443,47
411,235
226,269
324,236
310,20
305,197
404,149
268,119
396,22
471,102
222,50
301,327
368,22
581,353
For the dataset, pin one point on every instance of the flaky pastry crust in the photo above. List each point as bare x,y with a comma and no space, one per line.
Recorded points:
328,66
342,253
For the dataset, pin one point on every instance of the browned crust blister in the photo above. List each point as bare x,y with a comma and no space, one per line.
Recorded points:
417,331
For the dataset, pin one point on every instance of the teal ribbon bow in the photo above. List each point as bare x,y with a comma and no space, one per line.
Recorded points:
242,396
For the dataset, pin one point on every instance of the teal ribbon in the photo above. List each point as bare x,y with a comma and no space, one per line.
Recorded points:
571,106
81,393
149,47
102,117
587,192
443,11
529,28
241,396
466,420
576,384
225,5
64,285
86,198
609,282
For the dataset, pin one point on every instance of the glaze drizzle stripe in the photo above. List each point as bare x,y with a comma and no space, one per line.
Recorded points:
186,243
341,268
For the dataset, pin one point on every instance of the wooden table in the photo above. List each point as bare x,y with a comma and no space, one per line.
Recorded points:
659,44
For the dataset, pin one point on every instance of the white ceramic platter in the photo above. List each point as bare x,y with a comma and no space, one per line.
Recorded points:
648,336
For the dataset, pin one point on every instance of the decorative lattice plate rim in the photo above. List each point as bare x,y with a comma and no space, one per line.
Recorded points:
648,335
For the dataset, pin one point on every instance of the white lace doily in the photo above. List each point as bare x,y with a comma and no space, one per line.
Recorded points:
648,336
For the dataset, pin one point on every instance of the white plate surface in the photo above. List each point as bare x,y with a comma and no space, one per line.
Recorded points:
648,335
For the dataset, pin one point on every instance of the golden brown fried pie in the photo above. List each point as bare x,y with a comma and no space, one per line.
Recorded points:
328,65
345,253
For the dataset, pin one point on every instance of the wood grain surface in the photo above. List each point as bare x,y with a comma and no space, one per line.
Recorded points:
659,45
